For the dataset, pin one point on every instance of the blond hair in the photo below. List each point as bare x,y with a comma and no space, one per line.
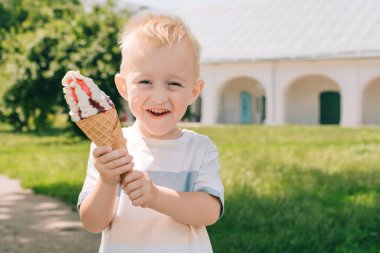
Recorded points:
161,30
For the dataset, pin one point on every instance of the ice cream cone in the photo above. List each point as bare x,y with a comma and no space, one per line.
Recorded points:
104,129
93,111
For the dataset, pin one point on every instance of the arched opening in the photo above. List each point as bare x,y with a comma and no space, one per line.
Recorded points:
242,102
312,100
371,103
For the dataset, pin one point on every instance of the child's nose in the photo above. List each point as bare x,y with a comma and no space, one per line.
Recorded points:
160,96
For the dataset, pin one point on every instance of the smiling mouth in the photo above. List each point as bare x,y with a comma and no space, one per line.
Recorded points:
158,112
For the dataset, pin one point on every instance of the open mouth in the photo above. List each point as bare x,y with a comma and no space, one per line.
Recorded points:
158,112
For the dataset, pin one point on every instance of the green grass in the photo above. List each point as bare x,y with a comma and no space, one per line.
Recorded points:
287,189
52,164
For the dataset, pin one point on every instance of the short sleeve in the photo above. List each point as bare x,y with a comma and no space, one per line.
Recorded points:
91,176
209,180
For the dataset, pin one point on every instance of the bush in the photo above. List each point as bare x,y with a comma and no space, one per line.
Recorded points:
50,38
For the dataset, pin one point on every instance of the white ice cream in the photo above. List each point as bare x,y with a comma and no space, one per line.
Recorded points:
86,106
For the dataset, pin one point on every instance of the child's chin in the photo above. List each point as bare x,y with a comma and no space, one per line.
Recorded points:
160,133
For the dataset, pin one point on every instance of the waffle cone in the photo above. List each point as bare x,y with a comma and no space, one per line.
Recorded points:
104,129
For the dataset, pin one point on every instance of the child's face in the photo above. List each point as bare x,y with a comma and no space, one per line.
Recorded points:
160,84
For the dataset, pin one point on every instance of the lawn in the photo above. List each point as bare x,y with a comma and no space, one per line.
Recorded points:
288,189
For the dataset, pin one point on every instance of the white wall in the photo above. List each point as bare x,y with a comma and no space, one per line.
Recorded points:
218,78
230,99
302,99
350,77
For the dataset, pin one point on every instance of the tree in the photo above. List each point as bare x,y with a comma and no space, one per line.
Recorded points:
52,38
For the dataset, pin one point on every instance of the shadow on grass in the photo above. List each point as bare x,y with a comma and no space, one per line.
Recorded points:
67,192
315,212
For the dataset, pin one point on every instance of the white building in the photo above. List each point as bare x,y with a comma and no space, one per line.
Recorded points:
288,61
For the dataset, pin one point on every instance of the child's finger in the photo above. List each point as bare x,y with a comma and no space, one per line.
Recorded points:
136,194
98,151
124,168
108,157
140,201
132,186
119,162
132,176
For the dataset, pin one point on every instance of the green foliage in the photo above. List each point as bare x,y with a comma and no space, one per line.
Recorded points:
287,189
48,39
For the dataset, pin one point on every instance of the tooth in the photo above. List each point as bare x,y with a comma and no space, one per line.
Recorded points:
158,110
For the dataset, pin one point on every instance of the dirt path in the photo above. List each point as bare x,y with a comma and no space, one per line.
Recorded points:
32,223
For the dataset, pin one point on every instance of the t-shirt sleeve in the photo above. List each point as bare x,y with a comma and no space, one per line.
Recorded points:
209,179
91,177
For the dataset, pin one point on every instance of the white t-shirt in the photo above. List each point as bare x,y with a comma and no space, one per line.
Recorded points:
187,164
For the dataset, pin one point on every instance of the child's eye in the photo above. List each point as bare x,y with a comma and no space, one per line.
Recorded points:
176,84
145,82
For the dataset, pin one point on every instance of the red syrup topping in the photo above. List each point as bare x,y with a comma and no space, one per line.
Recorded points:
75,97
73,91
96,105
80,114
92,102
110,102
84,87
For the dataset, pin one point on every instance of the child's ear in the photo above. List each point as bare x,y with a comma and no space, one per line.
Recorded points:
121,86
197,90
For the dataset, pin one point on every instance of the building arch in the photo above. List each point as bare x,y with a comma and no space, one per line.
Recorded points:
371,102
312,99
242,100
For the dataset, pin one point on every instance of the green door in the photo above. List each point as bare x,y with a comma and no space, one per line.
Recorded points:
246,107
329,107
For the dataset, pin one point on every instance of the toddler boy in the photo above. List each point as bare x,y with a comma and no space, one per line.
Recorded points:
172,189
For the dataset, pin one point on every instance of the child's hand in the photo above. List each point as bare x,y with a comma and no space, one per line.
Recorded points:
142,192
112,163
